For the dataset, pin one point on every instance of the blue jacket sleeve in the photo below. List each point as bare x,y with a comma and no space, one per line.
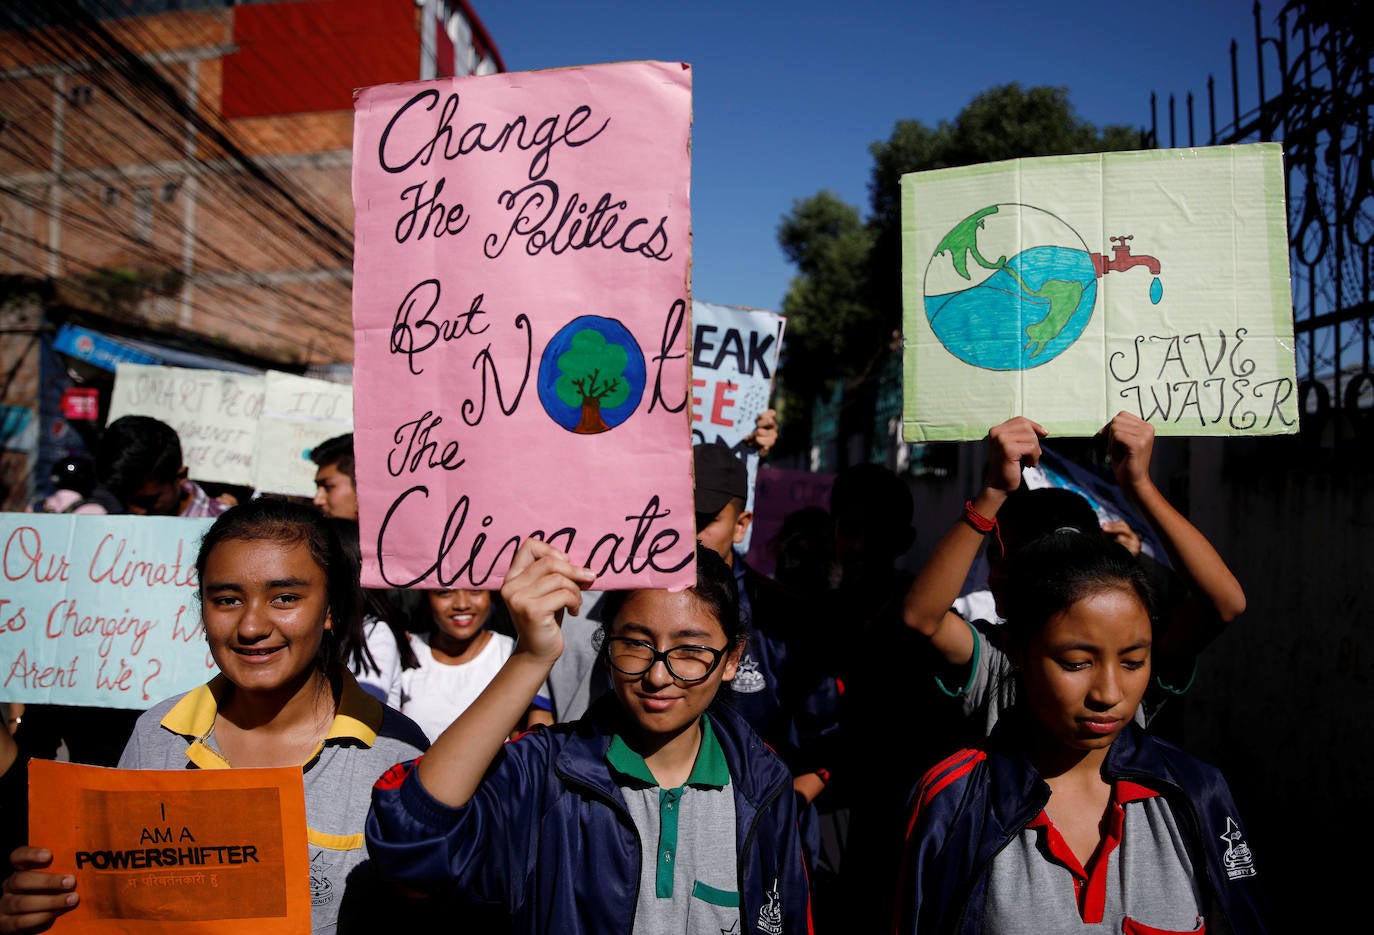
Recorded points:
794,859
480,851
1231,867
930,876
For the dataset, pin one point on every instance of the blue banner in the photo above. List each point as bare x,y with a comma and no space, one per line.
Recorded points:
97,350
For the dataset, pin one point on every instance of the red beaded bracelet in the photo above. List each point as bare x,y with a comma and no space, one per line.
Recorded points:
982,523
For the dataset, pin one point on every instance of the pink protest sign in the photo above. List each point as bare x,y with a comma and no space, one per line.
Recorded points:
520,300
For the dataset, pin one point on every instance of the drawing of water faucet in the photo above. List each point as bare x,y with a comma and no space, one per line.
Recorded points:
1122,259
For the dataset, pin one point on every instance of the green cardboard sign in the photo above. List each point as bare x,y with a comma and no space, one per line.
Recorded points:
1069,288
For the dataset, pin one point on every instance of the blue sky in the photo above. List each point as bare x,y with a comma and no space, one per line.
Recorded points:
787,97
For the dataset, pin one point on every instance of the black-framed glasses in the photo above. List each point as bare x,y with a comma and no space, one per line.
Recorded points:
685,663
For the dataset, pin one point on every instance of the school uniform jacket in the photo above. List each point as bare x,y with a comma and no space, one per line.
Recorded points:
970,806
548,836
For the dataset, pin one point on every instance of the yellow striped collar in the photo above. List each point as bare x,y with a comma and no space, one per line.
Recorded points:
359,718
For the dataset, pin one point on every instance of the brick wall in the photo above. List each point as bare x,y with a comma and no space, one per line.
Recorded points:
110,174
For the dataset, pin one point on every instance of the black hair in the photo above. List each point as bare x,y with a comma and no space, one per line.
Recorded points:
287,522
74,472
134,450
337,451
880,502
804,549
498,618
1030,514
715,590
376,603
1055,571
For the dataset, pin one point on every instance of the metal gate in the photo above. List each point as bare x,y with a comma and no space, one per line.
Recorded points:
1313,86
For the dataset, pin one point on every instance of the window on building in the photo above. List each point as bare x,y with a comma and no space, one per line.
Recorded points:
110,196
169,191
143,213
80,95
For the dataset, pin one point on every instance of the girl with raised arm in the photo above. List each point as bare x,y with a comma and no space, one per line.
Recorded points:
655,812
1005,515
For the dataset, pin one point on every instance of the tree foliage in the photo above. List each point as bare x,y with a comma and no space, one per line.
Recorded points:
590,369
844,305
828,309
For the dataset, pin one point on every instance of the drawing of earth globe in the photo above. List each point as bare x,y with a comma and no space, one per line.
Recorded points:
1010,287
591,375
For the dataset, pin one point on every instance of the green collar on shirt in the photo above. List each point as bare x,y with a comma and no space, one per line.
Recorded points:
710,768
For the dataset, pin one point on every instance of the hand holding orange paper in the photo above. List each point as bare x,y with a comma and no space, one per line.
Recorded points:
156,851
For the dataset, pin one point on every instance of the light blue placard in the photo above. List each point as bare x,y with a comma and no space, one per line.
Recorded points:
734,355
99,610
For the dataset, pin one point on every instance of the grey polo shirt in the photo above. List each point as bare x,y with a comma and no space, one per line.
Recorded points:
688,880
1140,880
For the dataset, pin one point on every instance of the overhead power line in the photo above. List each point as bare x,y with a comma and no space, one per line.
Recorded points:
82,41
174,117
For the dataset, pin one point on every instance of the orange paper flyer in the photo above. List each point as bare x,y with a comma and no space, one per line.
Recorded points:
175,851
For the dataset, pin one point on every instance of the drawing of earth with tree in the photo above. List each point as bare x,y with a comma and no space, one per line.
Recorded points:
591,375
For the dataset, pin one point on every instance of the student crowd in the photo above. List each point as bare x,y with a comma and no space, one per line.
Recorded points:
842,747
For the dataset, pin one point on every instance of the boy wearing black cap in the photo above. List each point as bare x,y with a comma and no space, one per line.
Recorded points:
720,491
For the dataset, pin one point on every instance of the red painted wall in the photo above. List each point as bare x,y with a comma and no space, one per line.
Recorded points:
305,56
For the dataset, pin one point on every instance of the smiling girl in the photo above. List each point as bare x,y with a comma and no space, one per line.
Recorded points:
1073,818
655,812
276,590
458,656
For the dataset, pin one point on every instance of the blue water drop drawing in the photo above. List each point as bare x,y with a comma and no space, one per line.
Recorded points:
1156,291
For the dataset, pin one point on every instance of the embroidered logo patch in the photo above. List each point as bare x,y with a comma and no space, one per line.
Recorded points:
1237,860
321,888
748,677
770,916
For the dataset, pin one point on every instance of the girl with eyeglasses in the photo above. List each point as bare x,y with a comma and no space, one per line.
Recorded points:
657,811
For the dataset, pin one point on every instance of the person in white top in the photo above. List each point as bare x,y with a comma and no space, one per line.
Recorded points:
458,657
377,659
